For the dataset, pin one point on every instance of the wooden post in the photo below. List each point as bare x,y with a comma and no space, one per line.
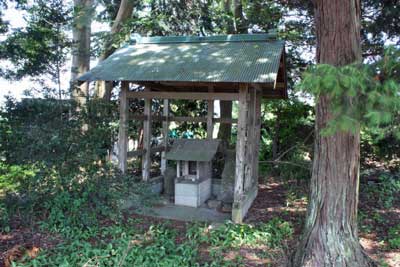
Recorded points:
146,158
165,125
103,89
250,144
178,169
185,168
123,127
241,143
210,116
257,135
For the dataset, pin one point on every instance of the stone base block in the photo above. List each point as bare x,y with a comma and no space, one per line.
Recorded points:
192,194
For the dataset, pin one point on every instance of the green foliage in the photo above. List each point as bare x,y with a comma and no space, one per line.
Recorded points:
50,131
394,237
193,109
380,20
230,235
386,191
380,148
41,47
287,138
360,95
15,177
53,169
119,245
131,244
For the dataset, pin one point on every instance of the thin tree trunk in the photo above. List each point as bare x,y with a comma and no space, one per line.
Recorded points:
275,139
103,89
240,26
235,8
225,129
330,236
81,48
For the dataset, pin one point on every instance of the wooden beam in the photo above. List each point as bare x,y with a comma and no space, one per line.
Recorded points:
250,142
210,116
241,146
165,126
146,158
141,152
257,136
184,95
123,128
280,85
181,119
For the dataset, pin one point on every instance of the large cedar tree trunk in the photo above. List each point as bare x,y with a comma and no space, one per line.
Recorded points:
81,48
330,235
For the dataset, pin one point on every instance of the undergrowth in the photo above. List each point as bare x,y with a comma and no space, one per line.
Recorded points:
128,243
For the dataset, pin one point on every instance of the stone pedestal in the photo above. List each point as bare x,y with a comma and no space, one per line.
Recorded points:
228,178
192,193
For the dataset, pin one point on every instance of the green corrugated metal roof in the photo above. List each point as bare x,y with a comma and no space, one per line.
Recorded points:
235,58
193,150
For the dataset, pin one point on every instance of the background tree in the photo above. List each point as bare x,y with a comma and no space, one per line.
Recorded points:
81,34
103,89
39,50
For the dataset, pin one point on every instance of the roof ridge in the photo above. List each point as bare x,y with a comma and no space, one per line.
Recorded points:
257,37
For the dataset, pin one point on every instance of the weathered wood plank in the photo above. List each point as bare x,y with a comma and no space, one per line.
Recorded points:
250,144
123,127
257,136
178,169
184,95
241,144
146,158
210,116
165,126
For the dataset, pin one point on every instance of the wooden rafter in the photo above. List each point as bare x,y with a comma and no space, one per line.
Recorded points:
184,95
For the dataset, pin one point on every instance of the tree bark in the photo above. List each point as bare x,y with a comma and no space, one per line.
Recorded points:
225,129
235,8
103,89
81,48
330,236
275,139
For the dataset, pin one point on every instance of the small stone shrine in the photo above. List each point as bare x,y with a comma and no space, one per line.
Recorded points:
193,170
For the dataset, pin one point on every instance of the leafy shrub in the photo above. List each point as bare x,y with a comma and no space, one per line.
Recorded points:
4,216
119,245
49,132
235,235
394,237
14,178
79,199
389,189
53,169
386,191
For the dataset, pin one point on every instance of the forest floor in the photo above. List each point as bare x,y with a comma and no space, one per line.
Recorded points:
137,240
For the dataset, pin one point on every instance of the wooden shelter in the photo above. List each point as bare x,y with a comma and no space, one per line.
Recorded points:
243,68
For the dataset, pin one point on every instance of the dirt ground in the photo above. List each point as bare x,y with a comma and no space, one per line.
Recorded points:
273,200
